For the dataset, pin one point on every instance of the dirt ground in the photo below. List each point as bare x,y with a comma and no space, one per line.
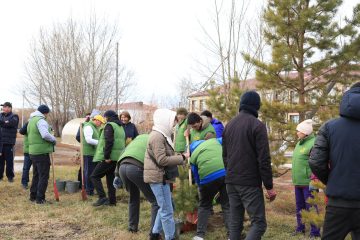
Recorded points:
64,154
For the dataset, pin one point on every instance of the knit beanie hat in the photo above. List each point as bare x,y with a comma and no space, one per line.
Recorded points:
43,109
250,101
110,114
182,111
305,127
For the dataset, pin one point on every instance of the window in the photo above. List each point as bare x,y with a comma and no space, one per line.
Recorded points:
202,105
294,118
193,105
292,97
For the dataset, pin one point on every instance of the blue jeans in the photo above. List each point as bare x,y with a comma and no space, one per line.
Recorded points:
26,170
165,216
89,167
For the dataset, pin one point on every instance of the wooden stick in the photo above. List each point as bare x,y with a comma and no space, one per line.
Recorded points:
188,150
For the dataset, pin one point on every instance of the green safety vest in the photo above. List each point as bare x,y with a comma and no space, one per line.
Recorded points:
208,157
301,171
200,135
180,141
117,148
26,144
136,149
37,145
88,149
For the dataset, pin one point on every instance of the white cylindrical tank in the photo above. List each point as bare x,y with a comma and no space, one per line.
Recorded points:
69,131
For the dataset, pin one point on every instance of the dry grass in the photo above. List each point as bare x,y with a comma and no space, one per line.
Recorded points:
72,218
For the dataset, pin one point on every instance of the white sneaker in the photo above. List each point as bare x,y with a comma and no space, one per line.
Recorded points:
197,238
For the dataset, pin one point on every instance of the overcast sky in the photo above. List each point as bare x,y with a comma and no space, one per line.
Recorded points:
159,38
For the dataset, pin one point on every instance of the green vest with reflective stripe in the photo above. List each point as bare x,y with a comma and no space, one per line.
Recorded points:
136,149
37,145
117,148
200,135
88,149
180,141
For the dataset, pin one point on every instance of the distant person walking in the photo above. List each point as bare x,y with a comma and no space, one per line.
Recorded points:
335,160
8,123
41,144
247,162
301,175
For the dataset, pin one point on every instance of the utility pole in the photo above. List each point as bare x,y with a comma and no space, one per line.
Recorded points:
117,78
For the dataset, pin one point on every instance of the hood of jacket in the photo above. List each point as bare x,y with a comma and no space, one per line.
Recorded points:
164,121
205,122
37,114
350,104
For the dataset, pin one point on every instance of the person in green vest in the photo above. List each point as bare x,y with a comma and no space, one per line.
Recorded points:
111,144
41,144
301,174
201,129
131,170
27,161
209,172
180,128
91,132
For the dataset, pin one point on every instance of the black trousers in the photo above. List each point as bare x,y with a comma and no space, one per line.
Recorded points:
8,157
133,179
207,194
105,169
339,222
41,170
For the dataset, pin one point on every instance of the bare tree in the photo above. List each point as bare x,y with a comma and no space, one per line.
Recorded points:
71,68
186,86
230,38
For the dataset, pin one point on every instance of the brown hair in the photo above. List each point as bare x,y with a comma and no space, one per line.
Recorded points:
126,114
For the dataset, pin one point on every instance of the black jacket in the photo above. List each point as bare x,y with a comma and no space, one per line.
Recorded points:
246,152
9,123
335,158
130,130
23,129
1,144
109,136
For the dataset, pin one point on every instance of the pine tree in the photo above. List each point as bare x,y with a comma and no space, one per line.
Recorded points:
312,55
185,195
224,101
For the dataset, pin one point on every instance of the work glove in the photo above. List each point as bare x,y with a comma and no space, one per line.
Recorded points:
117,183
54,142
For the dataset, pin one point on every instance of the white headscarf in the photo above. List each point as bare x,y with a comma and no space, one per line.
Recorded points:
164,123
